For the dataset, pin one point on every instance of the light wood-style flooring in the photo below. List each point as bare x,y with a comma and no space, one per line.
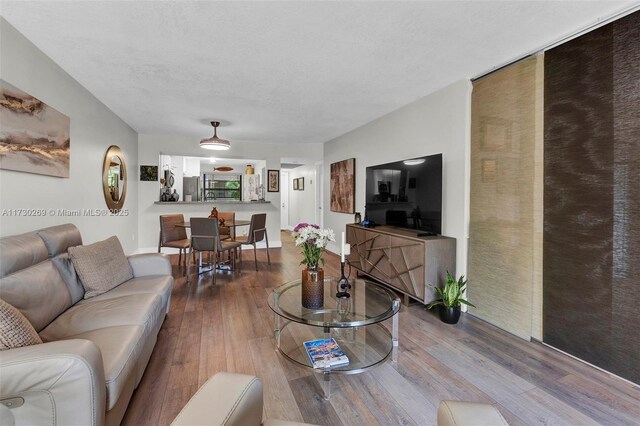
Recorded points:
229,327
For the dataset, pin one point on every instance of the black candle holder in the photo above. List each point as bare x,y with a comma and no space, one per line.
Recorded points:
343,286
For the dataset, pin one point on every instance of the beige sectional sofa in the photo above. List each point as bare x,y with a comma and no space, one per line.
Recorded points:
95,350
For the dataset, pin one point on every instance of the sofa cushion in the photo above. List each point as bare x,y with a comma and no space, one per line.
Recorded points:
38,292
101,266
120,347
64,265
20,252
138,309
59,238
15,330
150,284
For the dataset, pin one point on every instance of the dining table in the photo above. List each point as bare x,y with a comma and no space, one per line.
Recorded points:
228,224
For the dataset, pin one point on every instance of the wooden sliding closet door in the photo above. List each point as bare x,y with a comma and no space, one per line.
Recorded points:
592,197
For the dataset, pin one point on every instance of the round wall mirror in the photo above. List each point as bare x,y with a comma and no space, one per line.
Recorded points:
114,178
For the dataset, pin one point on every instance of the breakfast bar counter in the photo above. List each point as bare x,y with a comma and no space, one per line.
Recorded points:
212,202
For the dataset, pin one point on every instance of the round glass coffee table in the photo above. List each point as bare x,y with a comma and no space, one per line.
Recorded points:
355,323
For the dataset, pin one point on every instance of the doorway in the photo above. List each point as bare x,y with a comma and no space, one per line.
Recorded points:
284,200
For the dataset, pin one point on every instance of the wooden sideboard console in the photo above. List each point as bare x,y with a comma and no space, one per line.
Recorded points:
402,260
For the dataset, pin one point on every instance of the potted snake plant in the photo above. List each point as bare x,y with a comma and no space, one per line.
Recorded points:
451,300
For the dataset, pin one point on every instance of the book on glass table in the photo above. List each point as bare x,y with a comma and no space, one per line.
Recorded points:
325,353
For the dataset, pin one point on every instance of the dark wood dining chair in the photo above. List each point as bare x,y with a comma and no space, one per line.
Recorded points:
205,237
257,233
173,236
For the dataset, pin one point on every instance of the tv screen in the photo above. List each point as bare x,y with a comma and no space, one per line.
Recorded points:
406,194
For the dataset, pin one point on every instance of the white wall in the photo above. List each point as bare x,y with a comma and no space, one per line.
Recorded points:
438,123
302,204
149,149
93,129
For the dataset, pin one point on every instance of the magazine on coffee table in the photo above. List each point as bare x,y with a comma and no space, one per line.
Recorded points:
325,353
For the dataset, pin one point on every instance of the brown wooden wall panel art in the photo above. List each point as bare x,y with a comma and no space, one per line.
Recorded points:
592,197
343,186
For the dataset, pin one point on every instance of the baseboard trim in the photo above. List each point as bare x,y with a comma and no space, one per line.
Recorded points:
637,385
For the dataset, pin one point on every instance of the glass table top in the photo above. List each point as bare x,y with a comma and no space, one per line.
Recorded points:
370,303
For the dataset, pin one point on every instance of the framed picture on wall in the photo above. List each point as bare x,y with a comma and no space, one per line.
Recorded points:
343,186
273,181
34,136
295,184
148,173
301,184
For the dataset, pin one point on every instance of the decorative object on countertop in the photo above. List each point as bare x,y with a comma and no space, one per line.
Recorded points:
214,142
343,186
250,185
451,299
165,194
175,196
357,218
35,137
313,241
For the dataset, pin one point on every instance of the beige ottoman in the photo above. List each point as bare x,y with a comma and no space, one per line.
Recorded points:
227,399
460,413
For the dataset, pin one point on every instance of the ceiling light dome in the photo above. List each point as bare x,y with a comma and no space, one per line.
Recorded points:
215,142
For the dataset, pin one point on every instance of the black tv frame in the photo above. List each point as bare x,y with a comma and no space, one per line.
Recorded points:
407,199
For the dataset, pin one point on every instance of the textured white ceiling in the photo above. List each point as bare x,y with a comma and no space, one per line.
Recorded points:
283,71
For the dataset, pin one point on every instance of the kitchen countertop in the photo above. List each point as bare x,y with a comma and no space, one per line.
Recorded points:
213,202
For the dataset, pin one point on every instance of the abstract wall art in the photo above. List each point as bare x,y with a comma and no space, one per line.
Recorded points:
34,138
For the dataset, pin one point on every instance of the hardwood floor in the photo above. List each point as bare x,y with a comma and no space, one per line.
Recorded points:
228,327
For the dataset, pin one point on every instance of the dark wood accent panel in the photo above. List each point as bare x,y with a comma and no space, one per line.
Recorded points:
625,338
578,196
592,199
402,260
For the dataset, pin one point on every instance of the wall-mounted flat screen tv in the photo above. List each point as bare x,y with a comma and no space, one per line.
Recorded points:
406,194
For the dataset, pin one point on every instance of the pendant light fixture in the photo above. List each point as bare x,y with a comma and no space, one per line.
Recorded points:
215,142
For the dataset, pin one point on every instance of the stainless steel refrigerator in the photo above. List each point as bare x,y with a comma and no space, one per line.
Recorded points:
191,186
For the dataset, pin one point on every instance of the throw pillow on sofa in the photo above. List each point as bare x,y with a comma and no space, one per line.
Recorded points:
101,266
15,330
69,275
